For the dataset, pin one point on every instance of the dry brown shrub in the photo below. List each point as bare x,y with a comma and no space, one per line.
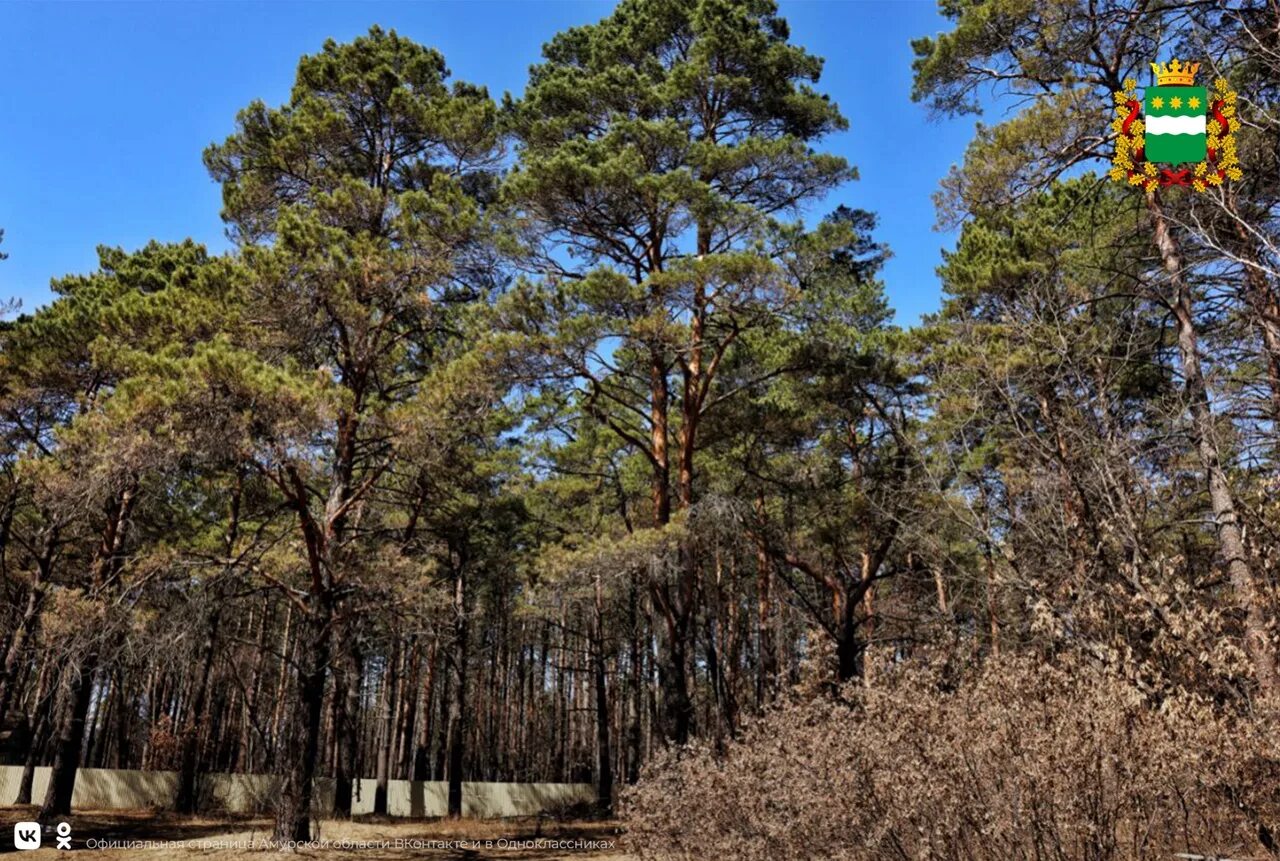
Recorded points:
1022,760
164,745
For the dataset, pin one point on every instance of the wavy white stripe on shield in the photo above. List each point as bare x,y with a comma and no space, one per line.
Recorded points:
1176,125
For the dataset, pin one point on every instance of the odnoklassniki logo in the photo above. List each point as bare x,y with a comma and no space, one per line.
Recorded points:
1184,136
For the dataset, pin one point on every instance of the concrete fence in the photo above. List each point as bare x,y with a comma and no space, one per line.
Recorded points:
117,789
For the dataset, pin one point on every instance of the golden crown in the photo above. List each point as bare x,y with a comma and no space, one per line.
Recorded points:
1175,74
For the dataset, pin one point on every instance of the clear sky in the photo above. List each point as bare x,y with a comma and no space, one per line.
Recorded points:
105,109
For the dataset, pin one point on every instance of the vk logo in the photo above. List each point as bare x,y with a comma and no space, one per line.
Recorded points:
26,835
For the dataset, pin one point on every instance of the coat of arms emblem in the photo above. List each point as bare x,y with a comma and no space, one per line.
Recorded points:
1185,135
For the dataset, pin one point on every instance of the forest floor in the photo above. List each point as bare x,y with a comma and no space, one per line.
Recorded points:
151,836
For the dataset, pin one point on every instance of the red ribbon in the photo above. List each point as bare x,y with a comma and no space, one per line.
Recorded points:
1168,177
1134,106
1219,118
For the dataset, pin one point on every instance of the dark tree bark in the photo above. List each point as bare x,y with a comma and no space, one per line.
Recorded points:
188,773
458,698
349,680
604,752
635,727
389,706
766,649
302,744
69,741
441,741
422,756
43,724
406,731
23,633
673,678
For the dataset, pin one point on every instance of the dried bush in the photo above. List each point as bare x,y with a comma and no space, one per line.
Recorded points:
164,746
1021,760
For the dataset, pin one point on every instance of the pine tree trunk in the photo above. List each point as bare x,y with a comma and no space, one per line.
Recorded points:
1230,538
658,409
188,774
125,711
389,704
243,753
635,729
70,741
101,720
347,704
677,708
38,739
458,699
18,644
849,646
766,649
41,721
422,757
406,728
604,753
440,744
302,742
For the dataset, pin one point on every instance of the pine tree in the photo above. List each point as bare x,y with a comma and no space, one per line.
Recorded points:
359,208
659,146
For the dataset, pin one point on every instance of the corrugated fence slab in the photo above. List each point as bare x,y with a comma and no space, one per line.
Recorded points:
117,789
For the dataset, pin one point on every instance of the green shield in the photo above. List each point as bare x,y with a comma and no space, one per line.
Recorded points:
1175,124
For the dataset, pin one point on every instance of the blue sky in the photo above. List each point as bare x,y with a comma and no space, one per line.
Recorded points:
105,109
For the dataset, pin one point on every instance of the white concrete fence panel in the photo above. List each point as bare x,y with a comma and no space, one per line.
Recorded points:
118,789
